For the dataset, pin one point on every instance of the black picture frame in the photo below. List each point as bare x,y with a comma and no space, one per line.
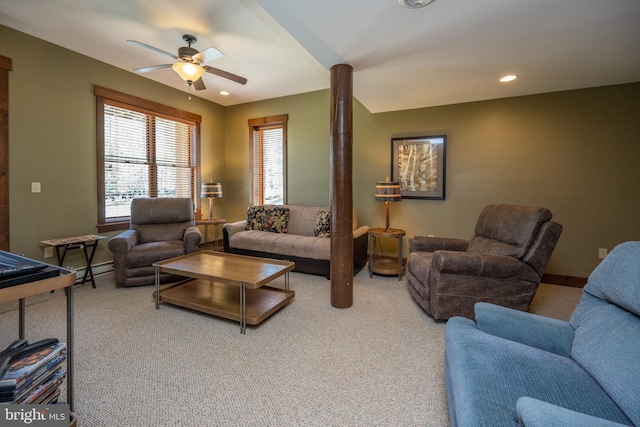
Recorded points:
419,164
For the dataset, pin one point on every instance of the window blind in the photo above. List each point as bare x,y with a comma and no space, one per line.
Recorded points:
269,171
268,164
145,156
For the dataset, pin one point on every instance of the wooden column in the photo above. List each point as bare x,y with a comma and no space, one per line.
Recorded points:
342,188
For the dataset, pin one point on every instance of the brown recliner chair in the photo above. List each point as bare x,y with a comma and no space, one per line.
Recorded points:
160,228
502,264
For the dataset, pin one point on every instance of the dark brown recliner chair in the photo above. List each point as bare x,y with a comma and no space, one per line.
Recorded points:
160,228
502,264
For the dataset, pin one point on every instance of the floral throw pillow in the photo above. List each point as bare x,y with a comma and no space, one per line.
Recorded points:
268,218
276,219
255,218
323,224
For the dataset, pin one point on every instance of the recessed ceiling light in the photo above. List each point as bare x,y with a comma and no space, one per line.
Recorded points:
508,78
414,4
224,93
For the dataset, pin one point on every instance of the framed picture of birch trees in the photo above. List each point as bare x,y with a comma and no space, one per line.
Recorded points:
419,164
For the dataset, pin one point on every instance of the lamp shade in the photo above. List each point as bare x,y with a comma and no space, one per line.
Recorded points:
388,191
188,71
211,190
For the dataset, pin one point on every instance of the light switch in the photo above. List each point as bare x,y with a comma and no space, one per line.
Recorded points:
35,187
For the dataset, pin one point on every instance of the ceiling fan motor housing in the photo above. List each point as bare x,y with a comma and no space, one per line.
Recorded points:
186,53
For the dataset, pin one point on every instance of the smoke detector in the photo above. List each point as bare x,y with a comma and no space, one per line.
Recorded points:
414,4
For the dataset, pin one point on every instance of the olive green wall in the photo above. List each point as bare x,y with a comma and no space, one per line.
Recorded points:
52,140
576,153
307,150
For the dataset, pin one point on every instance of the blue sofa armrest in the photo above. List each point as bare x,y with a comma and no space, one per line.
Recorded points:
545,333
536,413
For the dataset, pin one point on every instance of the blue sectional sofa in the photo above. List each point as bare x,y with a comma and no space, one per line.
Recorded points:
512,368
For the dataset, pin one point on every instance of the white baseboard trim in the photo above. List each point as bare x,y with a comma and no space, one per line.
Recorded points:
101,268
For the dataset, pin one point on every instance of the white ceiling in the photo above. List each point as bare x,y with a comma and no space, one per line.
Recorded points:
451,51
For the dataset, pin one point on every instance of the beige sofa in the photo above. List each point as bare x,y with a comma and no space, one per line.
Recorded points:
292,233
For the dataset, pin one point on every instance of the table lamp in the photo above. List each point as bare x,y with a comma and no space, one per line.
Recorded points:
211,190
387,192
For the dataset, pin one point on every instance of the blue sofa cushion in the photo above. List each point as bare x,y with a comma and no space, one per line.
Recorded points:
611,280
607,336
486,375
535,413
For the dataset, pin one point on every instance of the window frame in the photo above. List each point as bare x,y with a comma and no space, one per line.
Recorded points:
264,123
108,96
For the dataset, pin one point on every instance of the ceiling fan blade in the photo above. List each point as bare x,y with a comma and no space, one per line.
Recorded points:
208,54
152,68
153,48
225,74
199,84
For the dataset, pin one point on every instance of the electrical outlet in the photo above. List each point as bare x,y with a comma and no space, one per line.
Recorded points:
36,187
48,252
602,252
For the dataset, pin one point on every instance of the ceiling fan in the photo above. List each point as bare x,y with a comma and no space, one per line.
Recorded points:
190,63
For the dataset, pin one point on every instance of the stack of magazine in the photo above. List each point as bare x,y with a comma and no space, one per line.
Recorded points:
32,373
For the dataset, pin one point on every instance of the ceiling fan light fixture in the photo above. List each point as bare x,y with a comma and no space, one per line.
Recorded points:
188,71
414,4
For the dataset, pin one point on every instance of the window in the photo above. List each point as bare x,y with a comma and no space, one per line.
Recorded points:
268,139
144,149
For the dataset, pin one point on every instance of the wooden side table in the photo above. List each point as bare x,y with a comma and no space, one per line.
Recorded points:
385,267
216,222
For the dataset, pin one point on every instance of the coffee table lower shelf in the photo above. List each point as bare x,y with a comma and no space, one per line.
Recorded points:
222,300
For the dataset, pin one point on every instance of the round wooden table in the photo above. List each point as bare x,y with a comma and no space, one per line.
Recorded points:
386,267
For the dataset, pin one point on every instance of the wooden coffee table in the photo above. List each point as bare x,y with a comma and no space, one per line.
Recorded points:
226,285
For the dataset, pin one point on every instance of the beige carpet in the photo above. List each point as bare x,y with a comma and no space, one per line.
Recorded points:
378,363
555,301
